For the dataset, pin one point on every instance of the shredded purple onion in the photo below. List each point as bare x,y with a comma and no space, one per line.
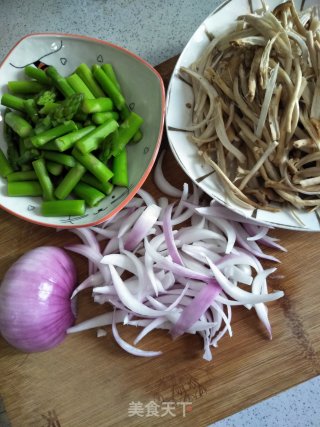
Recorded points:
186,279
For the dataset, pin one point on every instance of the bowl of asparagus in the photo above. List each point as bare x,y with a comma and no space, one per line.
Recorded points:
81,122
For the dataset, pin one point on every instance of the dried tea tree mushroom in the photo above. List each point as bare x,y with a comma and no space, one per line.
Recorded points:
256,112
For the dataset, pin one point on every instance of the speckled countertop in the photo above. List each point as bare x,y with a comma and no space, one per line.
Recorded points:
155,30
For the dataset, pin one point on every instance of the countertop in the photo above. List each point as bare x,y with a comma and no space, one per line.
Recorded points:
156,31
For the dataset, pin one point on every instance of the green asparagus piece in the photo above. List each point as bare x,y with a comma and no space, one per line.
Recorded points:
22,146
97,105
108,87
69,181
49,135
37,74
65,142
89,194
92,140
47,96
137,137
99,118
108,69
28,156
40,169
51,146
26,168
79,86
18,124
25,155
80,116
63,207
22,176
12,140
120,169
12,101
25,87
106,150
93,165
5,167
31,110
23,149
61,158
49,108
42,126
24,188
54,168
105,187
85,73
13,156
60,82
67,109
125,113
125,133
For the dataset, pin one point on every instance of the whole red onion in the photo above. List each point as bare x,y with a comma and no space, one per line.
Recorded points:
35,307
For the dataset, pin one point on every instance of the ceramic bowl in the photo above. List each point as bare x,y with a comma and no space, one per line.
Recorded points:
144,92
179,116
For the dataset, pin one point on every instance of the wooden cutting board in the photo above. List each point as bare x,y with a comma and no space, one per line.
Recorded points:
92,382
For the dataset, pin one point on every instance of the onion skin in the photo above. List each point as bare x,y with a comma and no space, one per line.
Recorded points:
35,308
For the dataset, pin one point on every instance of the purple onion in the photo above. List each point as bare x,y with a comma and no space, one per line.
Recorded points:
199,305
35,308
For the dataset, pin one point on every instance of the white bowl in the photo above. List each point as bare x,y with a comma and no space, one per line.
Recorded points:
178,116
144,92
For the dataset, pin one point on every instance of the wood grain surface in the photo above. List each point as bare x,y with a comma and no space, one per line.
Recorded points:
88,381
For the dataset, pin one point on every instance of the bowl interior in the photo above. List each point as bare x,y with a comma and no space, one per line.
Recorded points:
144,93
179,116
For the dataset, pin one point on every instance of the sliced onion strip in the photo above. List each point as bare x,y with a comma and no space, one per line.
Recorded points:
141,228
130,348
196,309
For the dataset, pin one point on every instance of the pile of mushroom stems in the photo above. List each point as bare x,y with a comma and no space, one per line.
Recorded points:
256,110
